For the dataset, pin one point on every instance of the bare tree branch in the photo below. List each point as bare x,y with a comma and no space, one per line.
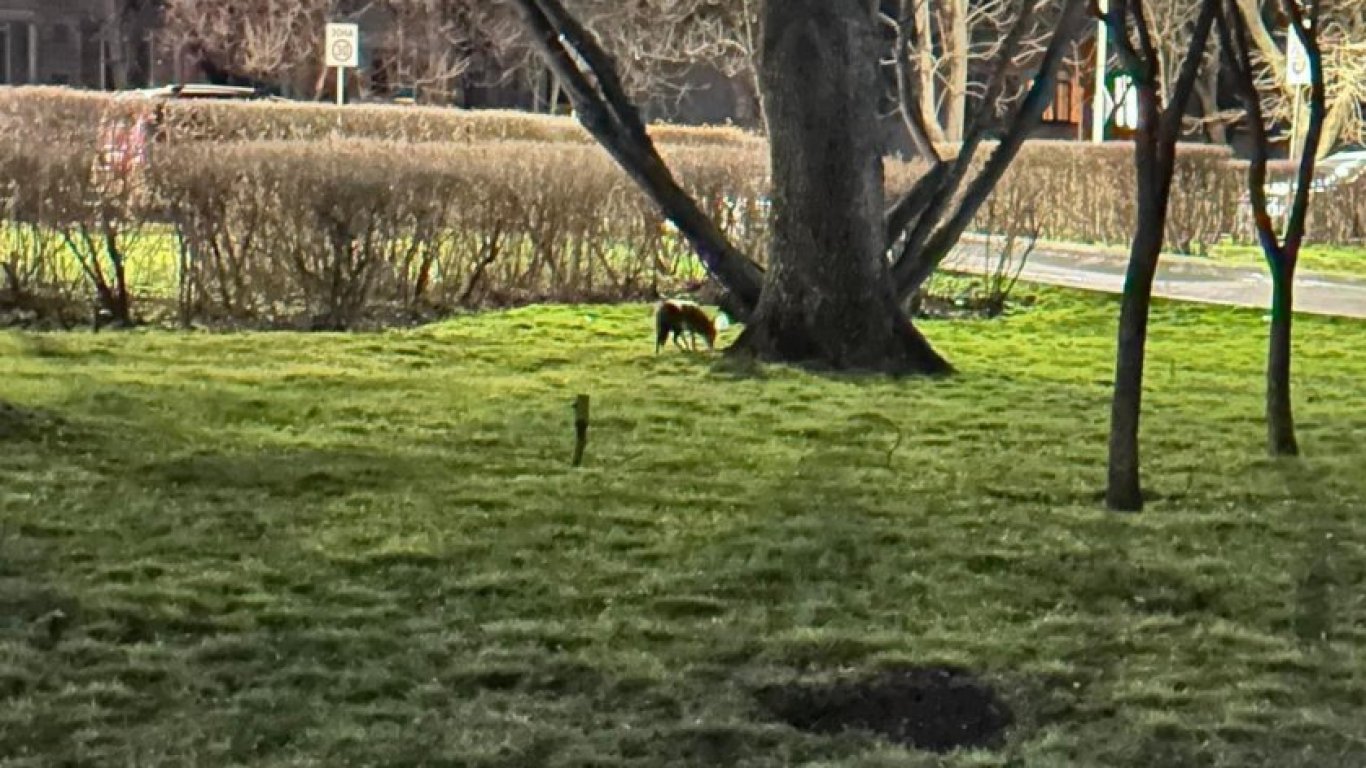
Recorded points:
588,75
914,266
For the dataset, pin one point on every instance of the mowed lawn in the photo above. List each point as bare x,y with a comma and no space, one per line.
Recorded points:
1325,259
290,550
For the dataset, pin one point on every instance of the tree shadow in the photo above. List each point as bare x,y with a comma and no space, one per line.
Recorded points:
24,424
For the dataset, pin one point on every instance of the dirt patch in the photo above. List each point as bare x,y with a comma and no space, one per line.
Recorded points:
937,709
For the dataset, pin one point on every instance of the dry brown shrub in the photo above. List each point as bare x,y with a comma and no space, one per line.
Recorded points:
1339,217
88,223
337,233
64,114
340,232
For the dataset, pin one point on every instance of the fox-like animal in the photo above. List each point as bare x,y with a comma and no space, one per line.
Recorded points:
677,317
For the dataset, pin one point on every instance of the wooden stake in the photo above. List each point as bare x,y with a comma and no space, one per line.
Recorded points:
580,428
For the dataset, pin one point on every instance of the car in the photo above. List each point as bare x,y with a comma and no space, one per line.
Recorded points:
199,91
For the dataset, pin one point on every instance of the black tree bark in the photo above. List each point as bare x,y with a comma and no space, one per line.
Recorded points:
828,298
1281,257
1155,160
1123,491
1280,416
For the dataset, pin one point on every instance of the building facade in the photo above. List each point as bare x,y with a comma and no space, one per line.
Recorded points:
70,42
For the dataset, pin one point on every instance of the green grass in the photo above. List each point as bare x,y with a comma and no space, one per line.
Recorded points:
369,549
152,256
1332,259
1344,260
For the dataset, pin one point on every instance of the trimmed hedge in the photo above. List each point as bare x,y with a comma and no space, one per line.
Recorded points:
336,232
1085,192
69,115
333,234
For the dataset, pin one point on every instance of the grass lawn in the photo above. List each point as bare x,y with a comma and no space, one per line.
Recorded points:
1343,260
369,549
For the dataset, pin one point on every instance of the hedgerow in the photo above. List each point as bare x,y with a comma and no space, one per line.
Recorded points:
254,214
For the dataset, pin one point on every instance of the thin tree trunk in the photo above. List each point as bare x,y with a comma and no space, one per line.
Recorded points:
553,105
958,70
1123,491
1280,419
1282,258
913,115
757,95
925,70
827,298
1154,161
1207,91
752,45
116,44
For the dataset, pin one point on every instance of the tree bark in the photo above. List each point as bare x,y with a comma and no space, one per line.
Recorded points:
1154,160
588,76
1207,91
1280,419
1236,32
1123,492
907,78
958,70
827,298
925,70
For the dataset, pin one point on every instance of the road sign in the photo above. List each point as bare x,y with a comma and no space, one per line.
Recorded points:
1296,60
343,45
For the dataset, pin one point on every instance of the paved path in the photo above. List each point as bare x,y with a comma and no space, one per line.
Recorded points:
1183,278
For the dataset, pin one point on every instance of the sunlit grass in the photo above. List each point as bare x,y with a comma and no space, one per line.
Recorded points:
1344,260
285,549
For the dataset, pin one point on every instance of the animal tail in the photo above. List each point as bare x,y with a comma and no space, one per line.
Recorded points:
661,327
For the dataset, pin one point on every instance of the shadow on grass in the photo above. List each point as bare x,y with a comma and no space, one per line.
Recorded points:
280,473
21,423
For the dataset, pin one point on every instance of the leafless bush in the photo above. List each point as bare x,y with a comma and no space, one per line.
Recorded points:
1012,231
1339,216
34,288
76,216
1083,193
63,114
334,232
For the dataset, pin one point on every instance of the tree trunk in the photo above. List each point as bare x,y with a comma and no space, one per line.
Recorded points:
1207,91
925,70
1154,161
1280,419
1123,491
958,70
827,297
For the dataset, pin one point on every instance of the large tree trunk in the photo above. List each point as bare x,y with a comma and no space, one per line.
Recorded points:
827,298
1280,419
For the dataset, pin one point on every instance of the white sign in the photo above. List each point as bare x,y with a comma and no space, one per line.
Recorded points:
1296,60
343,45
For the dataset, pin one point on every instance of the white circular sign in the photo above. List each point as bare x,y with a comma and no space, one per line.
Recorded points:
342,45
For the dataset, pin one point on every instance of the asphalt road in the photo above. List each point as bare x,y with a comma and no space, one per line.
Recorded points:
1182,278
